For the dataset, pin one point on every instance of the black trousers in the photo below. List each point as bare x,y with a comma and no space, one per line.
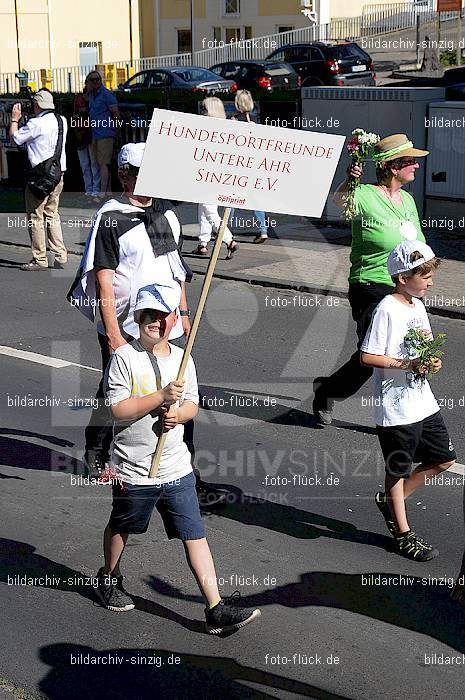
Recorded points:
99,429
99,433
348,379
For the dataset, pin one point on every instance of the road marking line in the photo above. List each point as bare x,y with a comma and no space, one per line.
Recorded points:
42,359
457,468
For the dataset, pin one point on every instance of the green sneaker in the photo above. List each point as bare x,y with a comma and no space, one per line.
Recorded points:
412,547
383,505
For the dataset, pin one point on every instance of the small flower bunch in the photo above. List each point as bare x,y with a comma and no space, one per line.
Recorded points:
427,348
359,147
109,475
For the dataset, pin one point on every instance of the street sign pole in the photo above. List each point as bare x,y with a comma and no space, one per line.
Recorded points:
418,38
192,33
459,37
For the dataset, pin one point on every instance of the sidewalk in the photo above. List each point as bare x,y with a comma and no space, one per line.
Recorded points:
303,256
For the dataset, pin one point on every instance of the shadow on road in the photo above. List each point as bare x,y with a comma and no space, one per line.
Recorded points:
10,263
20,559
250,404
410,602
141,673
288,520
28,455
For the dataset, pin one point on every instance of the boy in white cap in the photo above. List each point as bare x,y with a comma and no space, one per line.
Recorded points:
141,387
134,241
409,423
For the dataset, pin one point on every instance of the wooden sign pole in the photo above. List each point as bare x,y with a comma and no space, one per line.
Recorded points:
194,328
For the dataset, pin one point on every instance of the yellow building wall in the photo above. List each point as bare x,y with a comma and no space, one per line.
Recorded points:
147,26
181,9
33,33
278,7
71,22
109,25
351,8
8,51
33,6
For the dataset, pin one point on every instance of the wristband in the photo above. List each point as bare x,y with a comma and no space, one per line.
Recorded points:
14,121
184,312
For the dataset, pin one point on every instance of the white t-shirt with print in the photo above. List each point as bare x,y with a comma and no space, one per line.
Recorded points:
130,374
400,399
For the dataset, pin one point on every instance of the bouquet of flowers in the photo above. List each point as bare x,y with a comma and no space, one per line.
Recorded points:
359,147
427,348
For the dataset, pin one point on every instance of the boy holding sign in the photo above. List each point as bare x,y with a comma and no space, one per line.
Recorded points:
141,387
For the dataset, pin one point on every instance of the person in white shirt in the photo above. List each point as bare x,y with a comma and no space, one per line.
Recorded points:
146,398
209,219
40,136
409,423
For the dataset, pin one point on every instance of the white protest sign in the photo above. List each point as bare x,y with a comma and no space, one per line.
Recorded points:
238,164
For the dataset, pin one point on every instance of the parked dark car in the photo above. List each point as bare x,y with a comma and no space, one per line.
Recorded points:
453,80
176,81
325,63
259,76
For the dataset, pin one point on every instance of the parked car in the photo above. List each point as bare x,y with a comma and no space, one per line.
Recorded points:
176,81
453,80
326,63
259,76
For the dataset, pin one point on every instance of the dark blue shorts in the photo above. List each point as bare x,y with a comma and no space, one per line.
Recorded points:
176,501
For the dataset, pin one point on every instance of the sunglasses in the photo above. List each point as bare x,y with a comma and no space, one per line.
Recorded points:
404,162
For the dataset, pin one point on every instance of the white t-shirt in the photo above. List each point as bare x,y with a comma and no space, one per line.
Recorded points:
40,134
130,373
400,399
123,244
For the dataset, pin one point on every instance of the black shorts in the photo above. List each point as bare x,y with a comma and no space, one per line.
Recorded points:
426,441
176,502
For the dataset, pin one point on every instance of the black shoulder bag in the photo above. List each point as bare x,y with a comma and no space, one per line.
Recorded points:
44,177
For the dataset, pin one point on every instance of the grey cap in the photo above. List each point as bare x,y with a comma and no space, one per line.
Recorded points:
44,99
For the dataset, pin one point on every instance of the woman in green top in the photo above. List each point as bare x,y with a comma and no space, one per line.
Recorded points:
385,216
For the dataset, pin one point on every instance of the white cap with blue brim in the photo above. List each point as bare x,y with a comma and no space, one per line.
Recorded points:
162,297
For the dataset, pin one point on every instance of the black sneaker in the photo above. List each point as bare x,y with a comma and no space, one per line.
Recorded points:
415,548
210,497
57,265
322,406
383,505
95,464
227,617
112,595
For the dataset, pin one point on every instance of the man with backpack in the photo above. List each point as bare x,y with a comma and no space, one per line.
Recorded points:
44,136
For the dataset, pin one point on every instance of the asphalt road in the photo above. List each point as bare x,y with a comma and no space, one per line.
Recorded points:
342,616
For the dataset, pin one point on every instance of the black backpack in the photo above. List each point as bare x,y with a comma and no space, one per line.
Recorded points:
44,177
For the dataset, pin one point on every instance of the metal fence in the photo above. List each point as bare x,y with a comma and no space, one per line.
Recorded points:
396,16
376,19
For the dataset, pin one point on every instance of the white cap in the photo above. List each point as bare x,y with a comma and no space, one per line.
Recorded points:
131,153
163,297
399,259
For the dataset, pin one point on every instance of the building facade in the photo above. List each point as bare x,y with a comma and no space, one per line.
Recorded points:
166,23
56,33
